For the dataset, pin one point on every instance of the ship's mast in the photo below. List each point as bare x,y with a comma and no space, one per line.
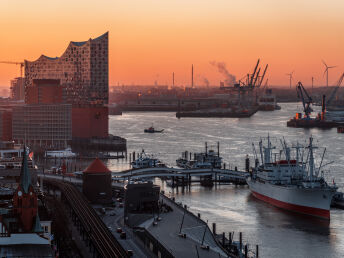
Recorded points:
311,159
261,151
267,151
297,148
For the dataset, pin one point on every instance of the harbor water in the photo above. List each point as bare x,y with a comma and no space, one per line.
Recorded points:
278,233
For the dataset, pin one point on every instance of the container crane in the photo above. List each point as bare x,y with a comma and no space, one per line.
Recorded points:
302,93
261,80
16,63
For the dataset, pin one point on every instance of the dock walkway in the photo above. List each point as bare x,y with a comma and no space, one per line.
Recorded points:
167,232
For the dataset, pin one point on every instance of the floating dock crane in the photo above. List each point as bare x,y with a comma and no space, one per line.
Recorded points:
334,92
307,121
302,93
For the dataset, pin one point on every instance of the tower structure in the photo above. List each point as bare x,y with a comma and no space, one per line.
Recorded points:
25,200
82,69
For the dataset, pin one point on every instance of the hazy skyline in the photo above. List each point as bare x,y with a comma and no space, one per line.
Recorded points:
148,40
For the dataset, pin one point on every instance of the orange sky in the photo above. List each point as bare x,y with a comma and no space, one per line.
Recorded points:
151,39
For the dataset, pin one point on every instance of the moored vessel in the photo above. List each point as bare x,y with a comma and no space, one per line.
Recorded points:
146,161
267,102
207,159
66,153
292,184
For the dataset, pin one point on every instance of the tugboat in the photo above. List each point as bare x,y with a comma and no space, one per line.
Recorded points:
292,184
152,130
146,161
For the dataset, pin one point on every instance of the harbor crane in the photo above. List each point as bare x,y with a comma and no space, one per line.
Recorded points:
334,92
302,93
254,80
16,63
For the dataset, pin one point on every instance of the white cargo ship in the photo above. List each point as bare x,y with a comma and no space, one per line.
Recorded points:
292,184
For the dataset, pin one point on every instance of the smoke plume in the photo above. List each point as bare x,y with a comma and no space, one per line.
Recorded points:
230,79
206,82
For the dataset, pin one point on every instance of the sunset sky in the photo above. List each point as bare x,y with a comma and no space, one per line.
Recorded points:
150,39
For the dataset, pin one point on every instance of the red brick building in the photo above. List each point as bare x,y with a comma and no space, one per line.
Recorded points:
25,200
96,184
45,91
90,122
5,124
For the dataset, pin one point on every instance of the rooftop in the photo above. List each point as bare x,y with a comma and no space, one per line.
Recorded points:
193,228
97,166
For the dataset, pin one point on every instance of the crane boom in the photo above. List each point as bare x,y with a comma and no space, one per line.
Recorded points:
261,81
339,82
16,63
302,93
254,72
257,76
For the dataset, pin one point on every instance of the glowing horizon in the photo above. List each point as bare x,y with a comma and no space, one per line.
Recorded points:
148,40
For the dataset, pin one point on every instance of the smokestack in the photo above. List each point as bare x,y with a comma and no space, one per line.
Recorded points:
173,79
323,107
192,76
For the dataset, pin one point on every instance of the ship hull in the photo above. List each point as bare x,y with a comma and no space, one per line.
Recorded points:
310,201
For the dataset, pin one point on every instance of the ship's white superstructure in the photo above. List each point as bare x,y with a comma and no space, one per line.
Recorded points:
292,184
146,161
207,159
67,153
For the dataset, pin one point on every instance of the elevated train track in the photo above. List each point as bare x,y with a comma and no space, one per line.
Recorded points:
178,172
102,239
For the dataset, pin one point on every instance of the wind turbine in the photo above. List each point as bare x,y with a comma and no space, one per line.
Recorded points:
326,71
290,77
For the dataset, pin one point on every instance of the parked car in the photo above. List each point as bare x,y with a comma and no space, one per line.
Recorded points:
123,235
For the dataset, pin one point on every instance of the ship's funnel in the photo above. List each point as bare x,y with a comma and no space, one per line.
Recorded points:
323,107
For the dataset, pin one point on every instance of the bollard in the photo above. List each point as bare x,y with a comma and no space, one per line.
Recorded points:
247,163
240,240
223,239
236,168
230,238
245,251
257,253
199,215
214,228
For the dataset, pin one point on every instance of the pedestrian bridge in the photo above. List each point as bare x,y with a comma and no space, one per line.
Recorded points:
179,172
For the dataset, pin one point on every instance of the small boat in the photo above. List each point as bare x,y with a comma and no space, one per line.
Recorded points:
338,200
152,130
340,129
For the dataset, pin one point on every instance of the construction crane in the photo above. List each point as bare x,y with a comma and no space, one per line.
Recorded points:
302,93
334,92
16,63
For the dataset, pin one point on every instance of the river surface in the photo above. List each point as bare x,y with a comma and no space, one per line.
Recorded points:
278,233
